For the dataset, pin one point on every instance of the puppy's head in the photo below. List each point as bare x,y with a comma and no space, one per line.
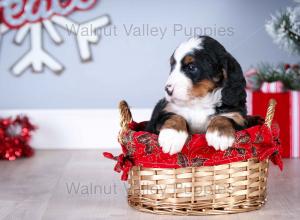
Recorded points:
199,66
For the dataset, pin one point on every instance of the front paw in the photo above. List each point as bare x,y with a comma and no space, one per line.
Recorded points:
171,140
219,140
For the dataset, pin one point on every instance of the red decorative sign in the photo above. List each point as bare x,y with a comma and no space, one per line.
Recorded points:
16,13
33,17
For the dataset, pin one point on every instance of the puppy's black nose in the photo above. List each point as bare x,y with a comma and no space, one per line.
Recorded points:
169,90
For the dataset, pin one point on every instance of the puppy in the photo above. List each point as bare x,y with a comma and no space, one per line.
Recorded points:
205,93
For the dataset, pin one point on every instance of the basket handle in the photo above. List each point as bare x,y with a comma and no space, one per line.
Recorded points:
125,116
270,112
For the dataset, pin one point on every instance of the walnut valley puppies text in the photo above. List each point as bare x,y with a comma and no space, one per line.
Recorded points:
156,31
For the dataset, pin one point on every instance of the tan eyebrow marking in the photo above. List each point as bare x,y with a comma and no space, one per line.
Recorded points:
188,59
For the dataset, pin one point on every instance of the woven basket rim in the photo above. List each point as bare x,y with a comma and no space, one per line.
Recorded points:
247,195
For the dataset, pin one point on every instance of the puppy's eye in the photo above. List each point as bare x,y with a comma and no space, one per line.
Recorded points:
192,68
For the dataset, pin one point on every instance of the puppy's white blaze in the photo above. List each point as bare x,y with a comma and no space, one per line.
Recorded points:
187,47
177,79
219,142
171,140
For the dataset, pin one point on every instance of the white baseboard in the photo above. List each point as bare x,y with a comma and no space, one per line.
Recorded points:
76,129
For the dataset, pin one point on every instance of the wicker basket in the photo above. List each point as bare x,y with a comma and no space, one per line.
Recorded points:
229,188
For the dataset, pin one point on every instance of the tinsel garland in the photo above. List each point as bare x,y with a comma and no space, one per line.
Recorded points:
284,28
15,135
288,74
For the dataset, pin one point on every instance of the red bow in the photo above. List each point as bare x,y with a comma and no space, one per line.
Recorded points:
123,164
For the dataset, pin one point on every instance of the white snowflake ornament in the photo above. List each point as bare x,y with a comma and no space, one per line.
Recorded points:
32,17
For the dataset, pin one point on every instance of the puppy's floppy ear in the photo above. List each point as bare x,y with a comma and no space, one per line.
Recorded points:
233,92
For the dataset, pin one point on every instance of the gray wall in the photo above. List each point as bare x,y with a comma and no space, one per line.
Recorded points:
135,67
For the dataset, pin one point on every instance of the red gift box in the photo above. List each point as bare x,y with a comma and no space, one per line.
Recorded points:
287,115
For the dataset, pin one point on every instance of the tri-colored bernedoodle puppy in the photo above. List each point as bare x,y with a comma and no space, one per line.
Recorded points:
205,93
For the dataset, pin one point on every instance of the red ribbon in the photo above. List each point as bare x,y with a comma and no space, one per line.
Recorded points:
124,164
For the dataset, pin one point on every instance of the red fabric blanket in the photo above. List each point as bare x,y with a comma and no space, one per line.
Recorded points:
141,148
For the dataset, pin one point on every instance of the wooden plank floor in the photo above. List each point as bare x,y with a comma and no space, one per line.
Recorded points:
46,187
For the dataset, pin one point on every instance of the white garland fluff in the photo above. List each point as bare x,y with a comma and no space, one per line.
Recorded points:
278,28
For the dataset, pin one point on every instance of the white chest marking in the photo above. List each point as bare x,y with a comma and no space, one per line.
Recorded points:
197,114
196,117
